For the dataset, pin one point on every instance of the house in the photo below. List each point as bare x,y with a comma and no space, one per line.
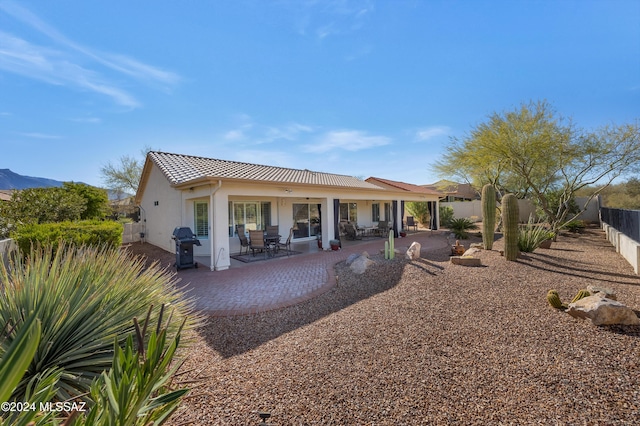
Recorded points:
6,194
452,191
424,194
212,196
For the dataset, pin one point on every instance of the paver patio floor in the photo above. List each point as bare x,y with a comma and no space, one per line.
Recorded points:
273,284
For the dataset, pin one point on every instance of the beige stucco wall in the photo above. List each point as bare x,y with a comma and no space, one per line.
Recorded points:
160,220
176,208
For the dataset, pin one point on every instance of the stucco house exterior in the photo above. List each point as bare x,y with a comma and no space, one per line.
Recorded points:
212,196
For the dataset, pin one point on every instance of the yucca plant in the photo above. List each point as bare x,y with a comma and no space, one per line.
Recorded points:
460,226
532,235
85,298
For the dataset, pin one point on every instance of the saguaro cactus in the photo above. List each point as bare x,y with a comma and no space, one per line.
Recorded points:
488,215
510,215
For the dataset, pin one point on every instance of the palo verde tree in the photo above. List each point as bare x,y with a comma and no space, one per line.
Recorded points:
532,152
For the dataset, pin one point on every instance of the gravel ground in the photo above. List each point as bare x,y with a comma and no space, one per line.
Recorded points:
427,342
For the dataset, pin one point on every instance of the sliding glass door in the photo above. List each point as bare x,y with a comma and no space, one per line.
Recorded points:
306,220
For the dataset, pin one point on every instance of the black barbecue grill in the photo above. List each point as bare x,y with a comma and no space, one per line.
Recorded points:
185,239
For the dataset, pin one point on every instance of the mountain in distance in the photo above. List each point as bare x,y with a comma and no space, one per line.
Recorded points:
11,180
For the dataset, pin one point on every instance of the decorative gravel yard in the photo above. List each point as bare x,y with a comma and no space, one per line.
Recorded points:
428,342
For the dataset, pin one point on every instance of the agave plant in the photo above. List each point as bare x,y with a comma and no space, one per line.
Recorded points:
14,361
136,391
85,298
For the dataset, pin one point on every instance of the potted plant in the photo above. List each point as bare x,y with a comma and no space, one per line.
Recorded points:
335,244
403,233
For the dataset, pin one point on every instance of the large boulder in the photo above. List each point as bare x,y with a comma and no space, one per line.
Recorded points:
413,252
360,264
603,311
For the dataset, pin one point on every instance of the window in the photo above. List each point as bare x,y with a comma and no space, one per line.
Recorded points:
201,219
387,212
252,214
375,212
349,212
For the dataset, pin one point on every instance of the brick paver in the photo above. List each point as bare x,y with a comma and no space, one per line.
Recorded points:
277,283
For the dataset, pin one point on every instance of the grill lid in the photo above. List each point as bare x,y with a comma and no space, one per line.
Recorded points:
183,233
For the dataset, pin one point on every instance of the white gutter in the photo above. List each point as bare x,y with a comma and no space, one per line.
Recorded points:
211,227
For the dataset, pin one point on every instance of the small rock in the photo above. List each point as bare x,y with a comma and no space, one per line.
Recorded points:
414,251
602,311
351,258
602,292
466,261
477,245
360,264
471,251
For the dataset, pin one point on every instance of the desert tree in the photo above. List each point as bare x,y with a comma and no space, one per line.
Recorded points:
533,152
124,175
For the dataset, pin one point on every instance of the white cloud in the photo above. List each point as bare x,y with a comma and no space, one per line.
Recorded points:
326,18
35,135
270,158
234,135
348,140
255,133
90,120
71,64
431,132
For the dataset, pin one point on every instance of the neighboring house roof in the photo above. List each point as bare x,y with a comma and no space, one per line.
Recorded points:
5,194
182,169
404,186
460,190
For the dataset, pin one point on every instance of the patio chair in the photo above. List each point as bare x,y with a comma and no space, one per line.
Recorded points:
411,223
256,242
383,228
273,230
351,231
287,243
244,242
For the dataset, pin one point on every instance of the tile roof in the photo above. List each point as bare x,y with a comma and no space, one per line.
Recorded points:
406,186
180,169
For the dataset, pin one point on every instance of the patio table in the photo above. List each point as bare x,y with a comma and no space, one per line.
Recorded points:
271,242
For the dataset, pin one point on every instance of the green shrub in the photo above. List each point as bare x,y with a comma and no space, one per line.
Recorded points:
460,227
86,298
446,216
419,210
574,226
532,235
88,232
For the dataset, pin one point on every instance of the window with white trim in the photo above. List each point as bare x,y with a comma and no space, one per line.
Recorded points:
201,219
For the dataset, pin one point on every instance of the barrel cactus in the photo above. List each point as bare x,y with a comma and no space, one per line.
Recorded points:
488,215
554,300
581,294
510,216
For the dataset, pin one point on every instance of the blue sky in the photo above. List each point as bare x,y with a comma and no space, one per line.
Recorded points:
357,87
